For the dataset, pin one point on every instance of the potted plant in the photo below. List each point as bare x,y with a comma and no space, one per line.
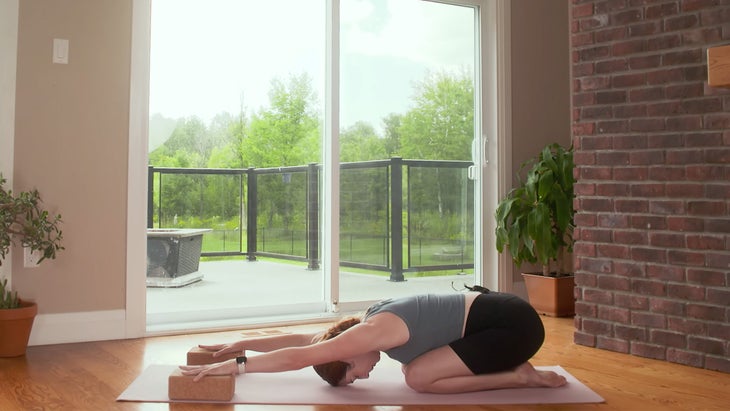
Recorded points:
535,222
23,222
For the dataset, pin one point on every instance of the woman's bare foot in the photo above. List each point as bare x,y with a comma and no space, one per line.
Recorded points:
538,378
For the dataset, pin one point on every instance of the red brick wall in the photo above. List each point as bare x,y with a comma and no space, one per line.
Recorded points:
653,168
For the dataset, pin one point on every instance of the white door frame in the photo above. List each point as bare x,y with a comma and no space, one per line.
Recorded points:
495,151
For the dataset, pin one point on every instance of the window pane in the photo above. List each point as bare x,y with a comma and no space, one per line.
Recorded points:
407,122
236,112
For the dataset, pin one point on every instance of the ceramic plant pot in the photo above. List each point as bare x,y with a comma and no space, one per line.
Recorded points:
15,327
551,296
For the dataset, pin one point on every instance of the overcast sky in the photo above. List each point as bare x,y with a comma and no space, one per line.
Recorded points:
210,56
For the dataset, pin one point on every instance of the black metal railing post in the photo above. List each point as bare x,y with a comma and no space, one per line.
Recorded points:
396,228
251,213
313,216
150,196
243,206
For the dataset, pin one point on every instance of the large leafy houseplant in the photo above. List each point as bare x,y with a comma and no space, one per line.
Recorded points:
24,222
535,219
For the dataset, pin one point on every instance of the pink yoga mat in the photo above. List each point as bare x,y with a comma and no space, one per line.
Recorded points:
384,387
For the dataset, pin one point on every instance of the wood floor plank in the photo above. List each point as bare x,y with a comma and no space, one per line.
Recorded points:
89,376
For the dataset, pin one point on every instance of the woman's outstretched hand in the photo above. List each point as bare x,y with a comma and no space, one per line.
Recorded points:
221,349
229,367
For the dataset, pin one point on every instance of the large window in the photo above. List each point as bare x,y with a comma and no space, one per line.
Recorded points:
241,85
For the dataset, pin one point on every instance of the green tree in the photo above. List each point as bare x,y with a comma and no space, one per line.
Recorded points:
439,127
190,136
181,150
287,133
392,124
441,124
224,157
228,133
363,192
360,142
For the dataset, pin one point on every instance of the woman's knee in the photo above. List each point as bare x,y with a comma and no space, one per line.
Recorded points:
416,380
427,370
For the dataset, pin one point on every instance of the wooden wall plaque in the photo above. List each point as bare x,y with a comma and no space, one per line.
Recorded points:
718,66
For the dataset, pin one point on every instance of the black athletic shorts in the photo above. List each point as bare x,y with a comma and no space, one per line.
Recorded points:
502,332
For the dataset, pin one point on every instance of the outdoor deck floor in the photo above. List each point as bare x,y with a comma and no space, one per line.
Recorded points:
228,286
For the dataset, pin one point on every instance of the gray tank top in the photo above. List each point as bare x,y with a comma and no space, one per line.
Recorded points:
433,320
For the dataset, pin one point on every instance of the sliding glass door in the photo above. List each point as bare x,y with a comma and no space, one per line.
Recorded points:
257,107
407,122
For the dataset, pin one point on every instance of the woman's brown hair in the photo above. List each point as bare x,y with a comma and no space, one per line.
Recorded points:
334,371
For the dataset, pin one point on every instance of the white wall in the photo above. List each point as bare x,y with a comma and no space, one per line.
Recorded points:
8,60
71,142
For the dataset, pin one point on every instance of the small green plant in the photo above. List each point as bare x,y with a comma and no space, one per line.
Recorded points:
8,299
535,220
22,220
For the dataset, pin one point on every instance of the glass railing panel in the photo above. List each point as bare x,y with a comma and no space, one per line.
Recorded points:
364,215
205,201
281,207
440,225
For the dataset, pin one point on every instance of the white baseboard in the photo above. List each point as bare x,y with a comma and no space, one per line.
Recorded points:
78,327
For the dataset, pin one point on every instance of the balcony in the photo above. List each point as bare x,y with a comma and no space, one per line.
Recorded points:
397,217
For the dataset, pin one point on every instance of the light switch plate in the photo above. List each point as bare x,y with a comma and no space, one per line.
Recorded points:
60,51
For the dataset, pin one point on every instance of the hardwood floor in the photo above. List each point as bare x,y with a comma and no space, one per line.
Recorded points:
89,376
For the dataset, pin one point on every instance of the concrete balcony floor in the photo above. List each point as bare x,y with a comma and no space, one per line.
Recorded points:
242,292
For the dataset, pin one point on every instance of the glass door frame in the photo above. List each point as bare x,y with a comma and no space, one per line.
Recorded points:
493,151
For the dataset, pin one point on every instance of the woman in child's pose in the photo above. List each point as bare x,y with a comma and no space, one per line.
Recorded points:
447,343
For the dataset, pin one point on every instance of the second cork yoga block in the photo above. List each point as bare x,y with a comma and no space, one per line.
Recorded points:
209,388
199,356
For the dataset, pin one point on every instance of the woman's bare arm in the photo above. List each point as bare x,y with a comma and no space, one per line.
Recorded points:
378,333
357,340
263,344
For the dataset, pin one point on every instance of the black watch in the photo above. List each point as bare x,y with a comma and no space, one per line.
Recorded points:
241,361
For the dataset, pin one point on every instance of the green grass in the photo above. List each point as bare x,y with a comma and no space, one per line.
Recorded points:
356,249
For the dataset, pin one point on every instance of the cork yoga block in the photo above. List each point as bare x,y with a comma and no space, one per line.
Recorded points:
199,356
209,388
